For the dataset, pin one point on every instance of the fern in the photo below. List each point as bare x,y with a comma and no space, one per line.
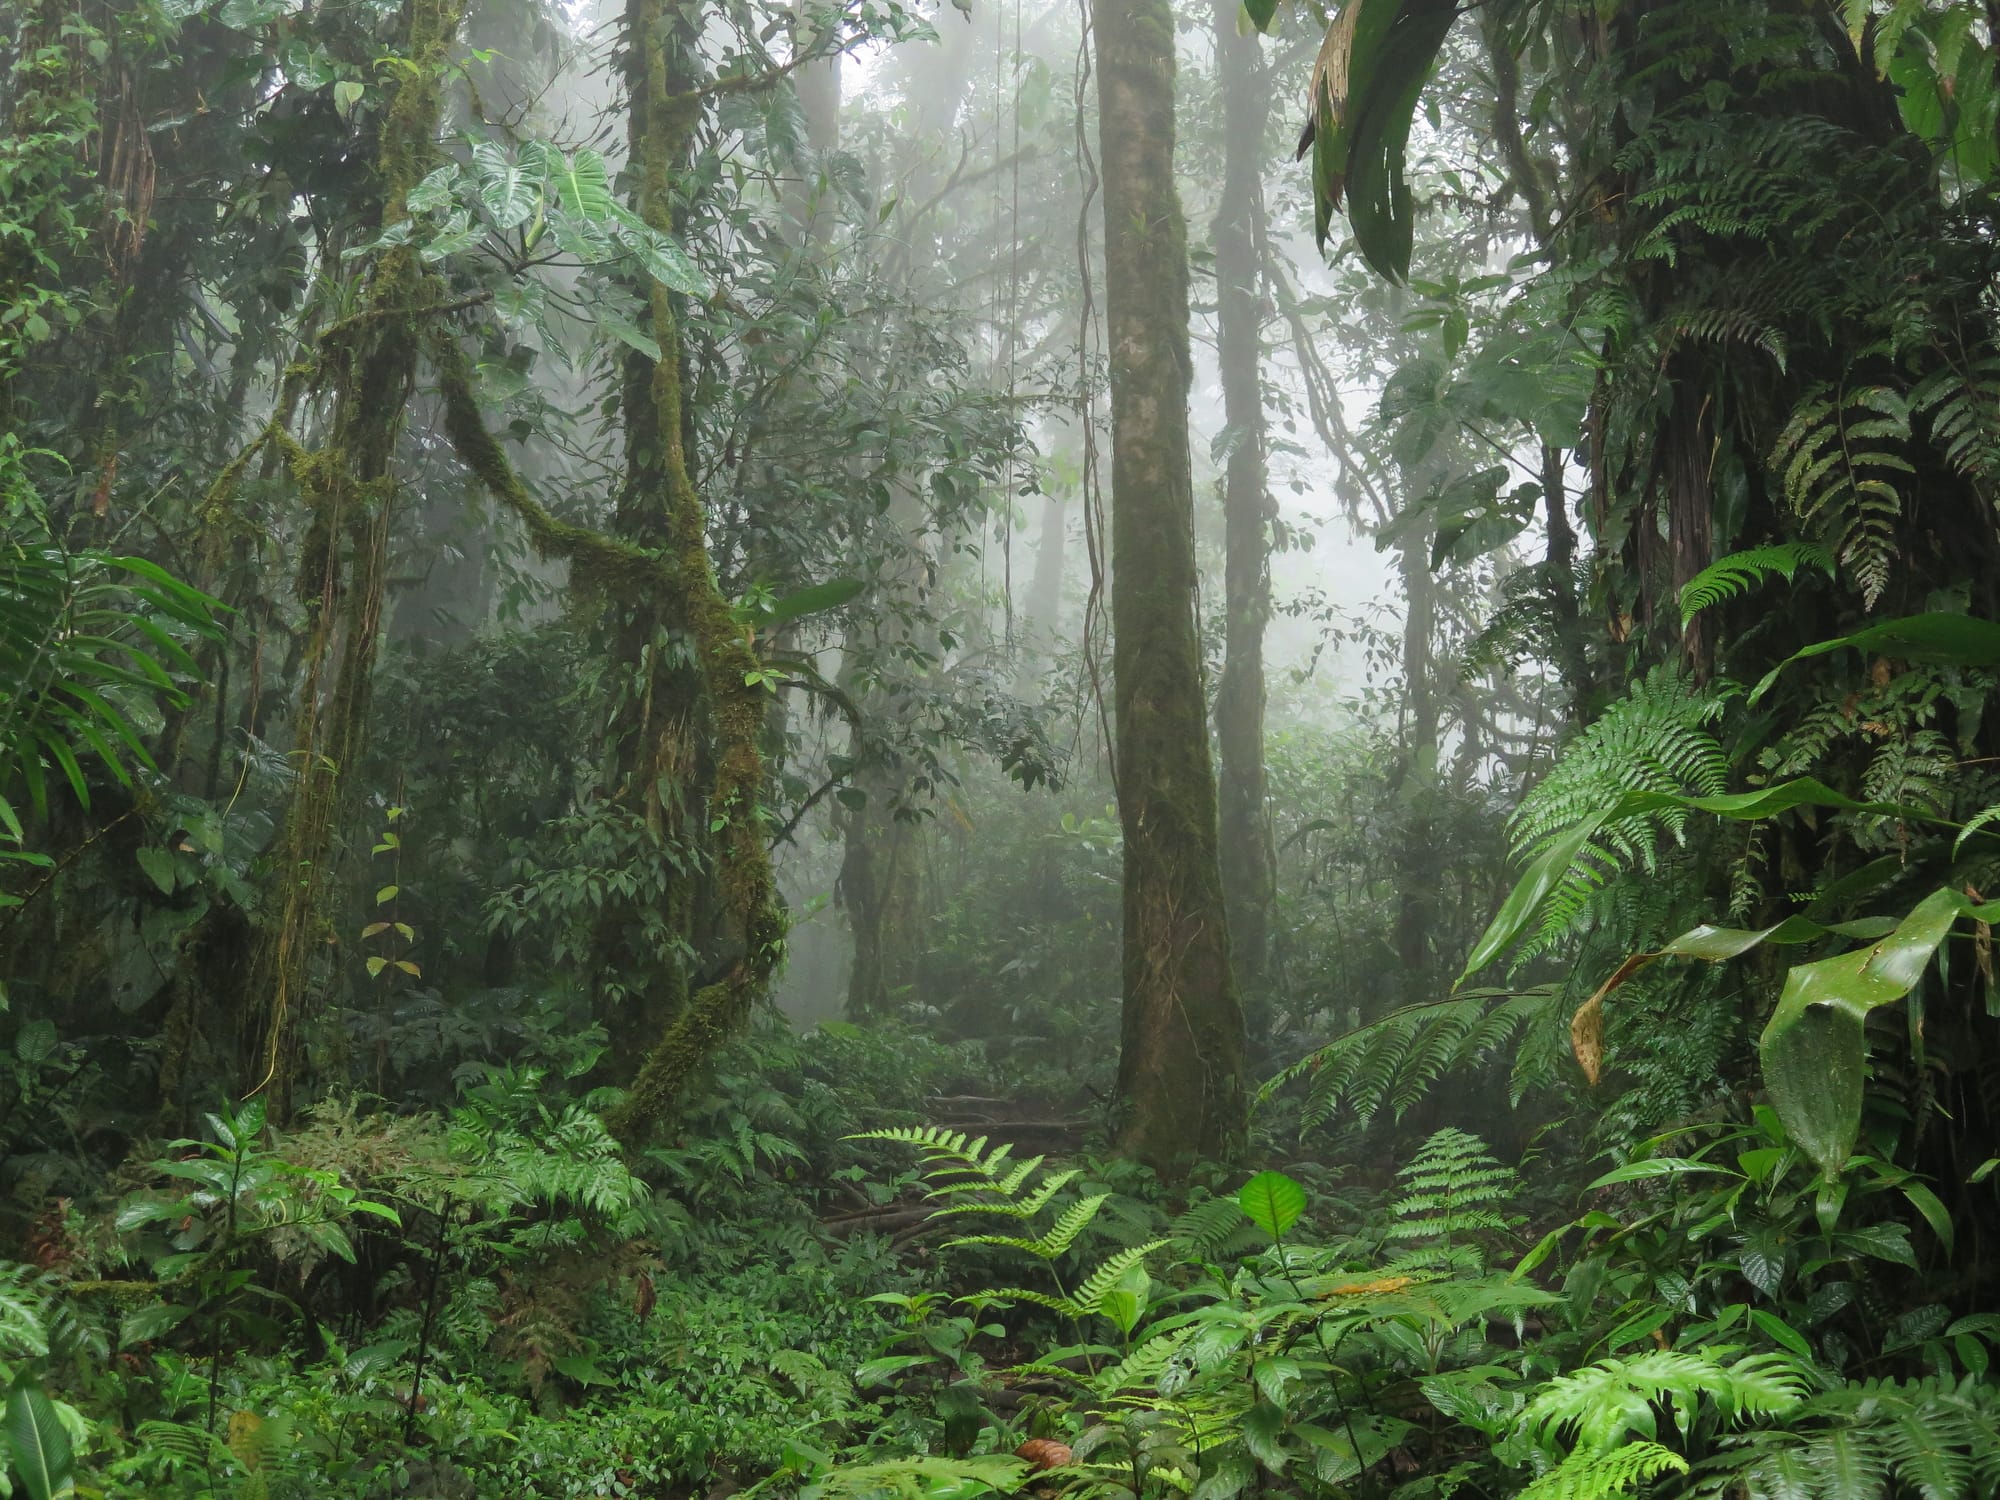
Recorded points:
1060,1236
1207,1228
1394,1061
1604,1402
957,1165
1840,461
1736,574
1964,412
1658,739
1594,1476
1452,1188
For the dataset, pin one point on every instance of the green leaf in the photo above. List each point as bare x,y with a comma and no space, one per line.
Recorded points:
628,333
1518,911
816,599
1272,1201
347,96
582,185
663,260
1813,1049
1656,1166
1261,12
1383,52
508,191
159,867
1937,639
433,192
1782,1332
38,1444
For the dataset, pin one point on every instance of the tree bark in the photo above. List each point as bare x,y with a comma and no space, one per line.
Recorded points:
1248,852
1181,1063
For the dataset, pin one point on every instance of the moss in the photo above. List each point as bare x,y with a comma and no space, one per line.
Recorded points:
367,364
752,922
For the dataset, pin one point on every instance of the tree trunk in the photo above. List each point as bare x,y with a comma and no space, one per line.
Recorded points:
1416,866
1181,1065
1249,856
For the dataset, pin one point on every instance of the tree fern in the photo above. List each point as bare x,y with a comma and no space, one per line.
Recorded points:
1735,575
1841,461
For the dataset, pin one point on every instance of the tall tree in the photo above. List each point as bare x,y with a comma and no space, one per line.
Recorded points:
1181,1063
1249,861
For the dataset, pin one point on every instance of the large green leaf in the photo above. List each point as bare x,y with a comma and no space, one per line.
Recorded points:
582,185
1814,1048
1938,639
1525,900
1377,57
509,191
1273,1202
38,1445
812,600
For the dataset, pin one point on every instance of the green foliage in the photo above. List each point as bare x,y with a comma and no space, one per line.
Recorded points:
1737,574
1393,1063
91,645
1587,1475
1451,1189
1661,739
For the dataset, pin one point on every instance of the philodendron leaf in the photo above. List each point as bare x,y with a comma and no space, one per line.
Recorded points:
1272,1201
1813,1049
38,1445
510,191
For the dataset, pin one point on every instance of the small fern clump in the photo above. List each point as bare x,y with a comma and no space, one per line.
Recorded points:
967,1176
1453,1191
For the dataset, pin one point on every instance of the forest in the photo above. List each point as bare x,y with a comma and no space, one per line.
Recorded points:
1080,749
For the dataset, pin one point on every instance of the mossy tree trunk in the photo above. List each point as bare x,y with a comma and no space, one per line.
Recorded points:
1181,1063
1249,857
748,926
366,367
645,946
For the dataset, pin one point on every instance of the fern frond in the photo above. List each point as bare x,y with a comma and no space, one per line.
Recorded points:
1104,1280
1659,739
1026,1209
1841,463
1596,1476
1964,412
1732,576
1605,1401
1061,1234
1207,1227
1393,1061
